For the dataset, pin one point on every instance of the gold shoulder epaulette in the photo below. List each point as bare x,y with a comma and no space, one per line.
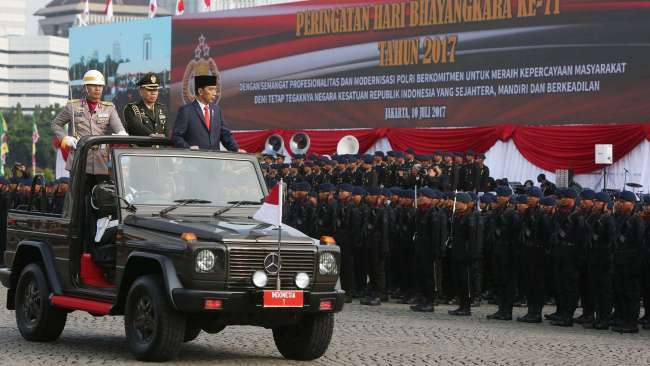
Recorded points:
106,103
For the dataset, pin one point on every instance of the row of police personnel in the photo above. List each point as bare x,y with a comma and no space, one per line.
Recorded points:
446,245
445,171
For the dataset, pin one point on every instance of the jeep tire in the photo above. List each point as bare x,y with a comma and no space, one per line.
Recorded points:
154,330
307,340
192,329
37,320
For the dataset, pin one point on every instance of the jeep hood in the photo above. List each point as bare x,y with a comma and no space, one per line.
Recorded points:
220,229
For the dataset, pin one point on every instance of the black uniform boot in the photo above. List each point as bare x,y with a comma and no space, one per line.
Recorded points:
626,329
494,316
563,322
371,301
460,312
552,317
423,308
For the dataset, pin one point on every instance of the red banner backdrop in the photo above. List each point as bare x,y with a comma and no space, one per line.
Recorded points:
548,147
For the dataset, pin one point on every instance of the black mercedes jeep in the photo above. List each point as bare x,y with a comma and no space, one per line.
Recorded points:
167,240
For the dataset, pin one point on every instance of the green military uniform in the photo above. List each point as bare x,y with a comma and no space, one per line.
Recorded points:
141,120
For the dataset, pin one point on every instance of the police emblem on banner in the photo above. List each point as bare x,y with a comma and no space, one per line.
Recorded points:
202,64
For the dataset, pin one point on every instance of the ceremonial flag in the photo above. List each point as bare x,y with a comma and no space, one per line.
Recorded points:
85,16
206,5
4,149
109,10
180,7
271,210
153,8
35,137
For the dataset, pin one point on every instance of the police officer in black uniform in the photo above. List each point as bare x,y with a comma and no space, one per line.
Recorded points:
376,244
645,271
506,231
586,299
569,241
487,204
430,234
358,232
369,176
469,173
482,174
535,239
627,264
602,231
465,242
299,215
400,170
343,237
148,116
326,175
326,210
406,231
393,272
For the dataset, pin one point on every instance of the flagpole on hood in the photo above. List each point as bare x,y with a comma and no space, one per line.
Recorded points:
281,204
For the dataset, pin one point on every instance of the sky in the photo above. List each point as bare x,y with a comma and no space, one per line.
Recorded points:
130,37
32,21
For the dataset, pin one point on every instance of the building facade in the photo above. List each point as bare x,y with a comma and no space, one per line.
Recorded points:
60,15
33,71
13,18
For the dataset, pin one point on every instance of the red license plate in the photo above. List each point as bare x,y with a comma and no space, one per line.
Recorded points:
283,298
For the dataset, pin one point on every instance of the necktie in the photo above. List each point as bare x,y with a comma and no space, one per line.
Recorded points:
206,114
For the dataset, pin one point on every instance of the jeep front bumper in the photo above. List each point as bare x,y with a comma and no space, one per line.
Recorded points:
193,301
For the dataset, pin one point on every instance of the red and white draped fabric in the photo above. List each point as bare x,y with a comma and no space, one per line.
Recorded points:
514,152
180,7
153,8
271,210
108,10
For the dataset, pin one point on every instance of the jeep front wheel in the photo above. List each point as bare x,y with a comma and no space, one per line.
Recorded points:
307,340
154,330
37,320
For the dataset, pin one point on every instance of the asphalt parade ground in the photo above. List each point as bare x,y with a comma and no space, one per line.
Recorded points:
390,334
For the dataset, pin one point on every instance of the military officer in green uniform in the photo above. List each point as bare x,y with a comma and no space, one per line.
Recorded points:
148,116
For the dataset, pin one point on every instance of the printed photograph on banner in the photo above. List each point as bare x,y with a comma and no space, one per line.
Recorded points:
123,52
425,63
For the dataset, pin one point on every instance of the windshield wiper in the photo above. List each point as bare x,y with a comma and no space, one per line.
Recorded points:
129,206
235,204
180,203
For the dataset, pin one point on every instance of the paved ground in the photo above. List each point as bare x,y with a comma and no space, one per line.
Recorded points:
386,335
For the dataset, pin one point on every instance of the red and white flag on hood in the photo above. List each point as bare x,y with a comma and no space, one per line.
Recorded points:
271,210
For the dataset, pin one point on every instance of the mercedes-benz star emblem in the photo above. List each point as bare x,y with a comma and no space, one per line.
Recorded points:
272,263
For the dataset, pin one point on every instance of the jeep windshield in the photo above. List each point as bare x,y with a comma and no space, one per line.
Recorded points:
165,180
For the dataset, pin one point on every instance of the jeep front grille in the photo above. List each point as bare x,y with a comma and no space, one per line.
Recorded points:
243,262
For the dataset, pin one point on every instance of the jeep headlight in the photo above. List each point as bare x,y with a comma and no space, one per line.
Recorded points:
260,279
301,280
205,261
327,264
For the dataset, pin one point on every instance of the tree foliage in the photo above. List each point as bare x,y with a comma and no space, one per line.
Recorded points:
20,137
